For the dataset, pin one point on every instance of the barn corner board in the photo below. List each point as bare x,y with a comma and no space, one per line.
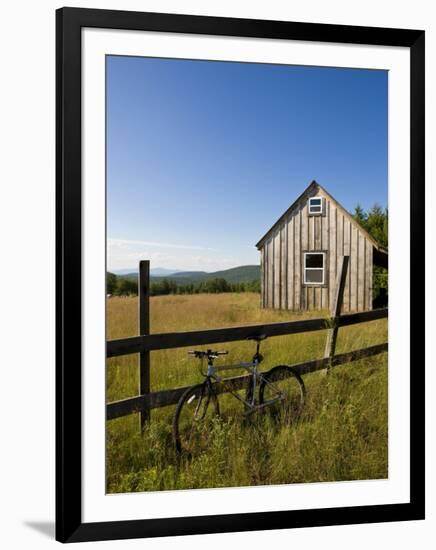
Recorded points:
301,252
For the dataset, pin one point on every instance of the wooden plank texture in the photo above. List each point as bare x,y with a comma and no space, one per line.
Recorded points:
331,214
335,311
262,277
346,251
362,317
353,269
270,272
341,238
283,266
317,230
304,246
361,272
297,262
368,276
144,328
290,263
325,246
276,298
338,234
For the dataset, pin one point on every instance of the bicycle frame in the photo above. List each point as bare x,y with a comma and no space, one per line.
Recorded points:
256,377
214,384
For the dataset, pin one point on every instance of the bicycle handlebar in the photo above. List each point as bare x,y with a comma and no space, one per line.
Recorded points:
208,353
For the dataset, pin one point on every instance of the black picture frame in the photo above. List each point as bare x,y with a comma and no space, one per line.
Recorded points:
69,525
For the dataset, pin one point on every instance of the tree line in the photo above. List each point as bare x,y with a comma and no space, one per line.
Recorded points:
375,221
121,286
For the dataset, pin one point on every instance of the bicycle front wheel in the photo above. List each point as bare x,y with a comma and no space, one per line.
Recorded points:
282,391
193,419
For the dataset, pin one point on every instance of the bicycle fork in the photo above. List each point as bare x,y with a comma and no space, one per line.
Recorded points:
205,395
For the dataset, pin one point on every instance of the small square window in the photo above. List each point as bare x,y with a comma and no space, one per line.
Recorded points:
315,205
314,268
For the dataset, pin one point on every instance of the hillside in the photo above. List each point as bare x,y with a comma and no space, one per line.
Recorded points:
241,274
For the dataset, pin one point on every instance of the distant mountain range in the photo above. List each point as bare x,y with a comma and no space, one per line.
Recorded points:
156,271
241,274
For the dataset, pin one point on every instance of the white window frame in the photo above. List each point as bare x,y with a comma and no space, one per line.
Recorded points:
321,206
323,268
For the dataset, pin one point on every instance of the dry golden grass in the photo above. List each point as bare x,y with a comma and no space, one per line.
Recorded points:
343,434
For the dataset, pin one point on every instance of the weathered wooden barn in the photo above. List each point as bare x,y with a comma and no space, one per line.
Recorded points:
300,256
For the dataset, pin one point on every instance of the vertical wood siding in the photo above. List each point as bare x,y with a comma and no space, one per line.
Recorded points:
346,251
332,220
304,245
368,285
290,274
325,302
354,269
262,277
282,257
276,298
283,266
361,257
270,273
297,262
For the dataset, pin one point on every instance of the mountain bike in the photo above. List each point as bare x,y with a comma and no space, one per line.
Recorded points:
280,390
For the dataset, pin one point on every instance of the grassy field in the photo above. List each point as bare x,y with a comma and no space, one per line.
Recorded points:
342,435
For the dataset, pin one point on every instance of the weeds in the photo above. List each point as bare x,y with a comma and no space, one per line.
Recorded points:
342,433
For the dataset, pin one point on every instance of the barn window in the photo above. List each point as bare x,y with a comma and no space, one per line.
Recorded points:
316,206
314,268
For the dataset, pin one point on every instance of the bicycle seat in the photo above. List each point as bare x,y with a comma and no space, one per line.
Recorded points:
257,337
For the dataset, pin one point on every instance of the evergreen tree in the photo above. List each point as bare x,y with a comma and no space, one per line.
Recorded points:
375,221
126,287
111,283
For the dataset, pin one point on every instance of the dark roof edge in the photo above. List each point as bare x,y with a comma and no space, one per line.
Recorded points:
309,187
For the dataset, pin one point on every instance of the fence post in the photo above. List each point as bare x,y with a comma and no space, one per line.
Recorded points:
144,328
335,310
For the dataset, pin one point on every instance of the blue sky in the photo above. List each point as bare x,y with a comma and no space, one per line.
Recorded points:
203,156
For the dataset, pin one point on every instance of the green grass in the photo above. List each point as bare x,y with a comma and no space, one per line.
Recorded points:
342,435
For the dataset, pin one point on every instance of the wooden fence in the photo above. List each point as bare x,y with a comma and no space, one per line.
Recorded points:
143,344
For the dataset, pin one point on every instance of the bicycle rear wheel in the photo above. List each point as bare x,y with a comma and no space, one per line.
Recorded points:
193,419
284,389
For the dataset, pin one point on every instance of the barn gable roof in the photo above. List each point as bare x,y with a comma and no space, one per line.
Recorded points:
312,188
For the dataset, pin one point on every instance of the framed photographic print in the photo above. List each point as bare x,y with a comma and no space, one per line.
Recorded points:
240,246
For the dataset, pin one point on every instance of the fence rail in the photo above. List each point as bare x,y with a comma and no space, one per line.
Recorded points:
165,398
145,343
168,340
